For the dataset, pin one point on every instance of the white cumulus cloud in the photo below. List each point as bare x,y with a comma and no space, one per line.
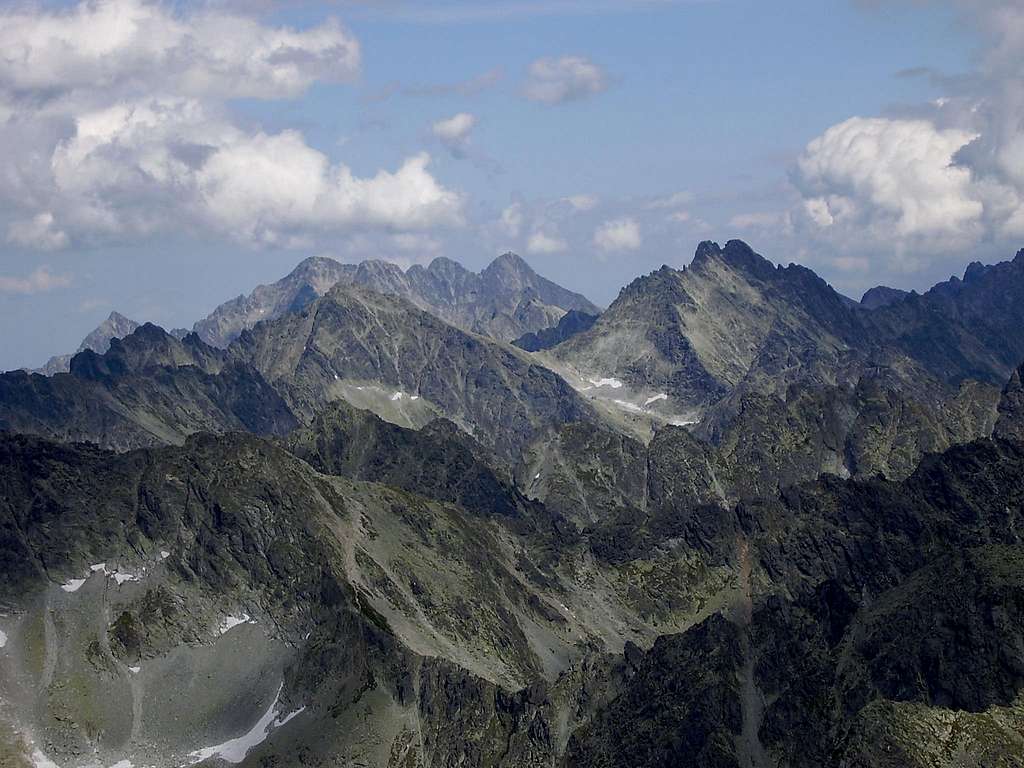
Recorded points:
118,125
541,242
564,79
618,235
893,177
914,192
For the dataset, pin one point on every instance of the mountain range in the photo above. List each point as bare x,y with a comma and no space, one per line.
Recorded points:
735,519
504,301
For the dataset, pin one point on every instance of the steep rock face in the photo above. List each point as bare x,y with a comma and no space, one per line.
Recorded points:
679,707
373,622
149,346
586,472
148,389
356,338
307,282
876,623
968,328
696,333
116,326
440,461
571,323
503,301
749,446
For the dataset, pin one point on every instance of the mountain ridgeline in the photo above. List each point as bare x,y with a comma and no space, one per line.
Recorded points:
504,301
434,518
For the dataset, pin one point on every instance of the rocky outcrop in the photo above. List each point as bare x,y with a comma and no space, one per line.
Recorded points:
1010,424
571,323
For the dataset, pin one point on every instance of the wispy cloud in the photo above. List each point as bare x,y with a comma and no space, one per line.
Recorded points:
464,12
469,87
39,281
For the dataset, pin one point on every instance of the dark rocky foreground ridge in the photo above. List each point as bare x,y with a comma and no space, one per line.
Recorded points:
777,529
862,619
116,326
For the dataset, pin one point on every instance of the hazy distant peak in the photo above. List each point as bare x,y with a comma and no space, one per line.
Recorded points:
444,265
510,260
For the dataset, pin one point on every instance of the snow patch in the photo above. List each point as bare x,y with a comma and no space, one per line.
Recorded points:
631,407
3,639
120,577
123,764
415,397
397,396
98,567
134,671
606,382
73,586
235,750
230,622
679,421
656,398
537,476
164,554
39,760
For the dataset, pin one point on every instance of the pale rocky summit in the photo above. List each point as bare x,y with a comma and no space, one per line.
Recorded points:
504,301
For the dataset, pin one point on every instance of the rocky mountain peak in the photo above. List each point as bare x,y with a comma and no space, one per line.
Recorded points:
508,272
881,296
706,250
736,254
147,346
442,265
974,271
511,262
116,326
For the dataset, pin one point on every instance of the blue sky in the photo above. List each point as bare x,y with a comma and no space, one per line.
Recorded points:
599,140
